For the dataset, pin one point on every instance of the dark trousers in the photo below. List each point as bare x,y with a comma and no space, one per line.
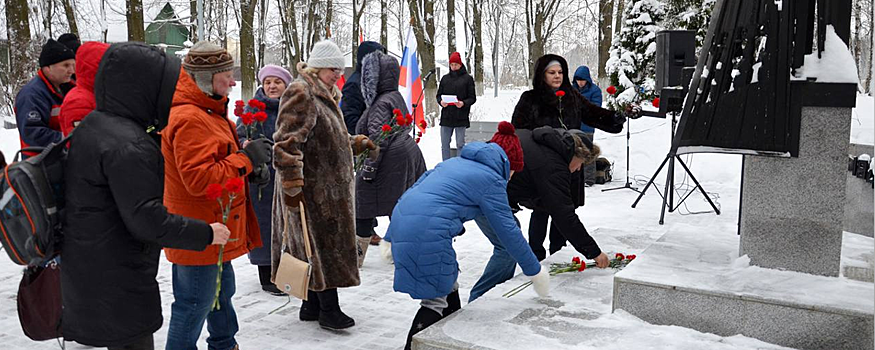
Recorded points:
144,343
538,232
365,227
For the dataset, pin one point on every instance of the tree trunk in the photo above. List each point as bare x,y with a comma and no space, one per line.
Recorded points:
621,6
478,46
247,48
496,72
290,34
192,20
71,17
384,23
262,38
20,62
451,26
606,34
357,12
136,29
423,29
329,16
47,20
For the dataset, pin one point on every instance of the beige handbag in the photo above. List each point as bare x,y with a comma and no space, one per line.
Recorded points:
293,275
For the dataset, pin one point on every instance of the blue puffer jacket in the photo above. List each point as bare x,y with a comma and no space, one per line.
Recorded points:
431,213
591,92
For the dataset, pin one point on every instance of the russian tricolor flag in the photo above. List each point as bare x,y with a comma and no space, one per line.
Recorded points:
409,83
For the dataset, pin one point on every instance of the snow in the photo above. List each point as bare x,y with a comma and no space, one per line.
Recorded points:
383,317
863,121
836,64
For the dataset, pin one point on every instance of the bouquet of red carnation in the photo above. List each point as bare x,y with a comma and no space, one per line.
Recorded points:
398,123
233,187
251,116
576,265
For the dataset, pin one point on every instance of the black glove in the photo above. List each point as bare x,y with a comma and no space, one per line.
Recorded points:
258,152
260,175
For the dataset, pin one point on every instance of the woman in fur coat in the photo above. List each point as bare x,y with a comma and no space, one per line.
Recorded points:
313,162
380,182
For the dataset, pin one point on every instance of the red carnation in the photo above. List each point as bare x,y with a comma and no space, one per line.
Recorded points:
630,257
238,108
576,260
238,103
247,118
234,185
560,93
423,124
611,90
408,119
260,116
214,191
401,120
619,256
387,128
417,140
656,102
397,112
581,268
254,103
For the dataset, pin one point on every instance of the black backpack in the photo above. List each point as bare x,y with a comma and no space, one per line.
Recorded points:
32,203
603,172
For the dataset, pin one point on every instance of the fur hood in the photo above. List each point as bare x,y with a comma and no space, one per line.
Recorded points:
380,74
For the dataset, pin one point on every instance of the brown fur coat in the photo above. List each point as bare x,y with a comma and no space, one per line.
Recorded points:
313,148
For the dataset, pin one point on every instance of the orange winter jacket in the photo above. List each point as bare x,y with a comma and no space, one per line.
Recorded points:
200,148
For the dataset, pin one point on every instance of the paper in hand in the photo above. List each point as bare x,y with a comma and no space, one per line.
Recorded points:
449,99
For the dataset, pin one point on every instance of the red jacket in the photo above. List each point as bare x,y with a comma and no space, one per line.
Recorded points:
80,101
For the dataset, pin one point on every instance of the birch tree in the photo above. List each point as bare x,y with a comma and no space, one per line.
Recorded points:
134,14
247,48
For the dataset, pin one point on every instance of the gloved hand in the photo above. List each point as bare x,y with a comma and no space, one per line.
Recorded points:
368,172
386,251
293,193
541,282
632,112
260,175
361,143
258,151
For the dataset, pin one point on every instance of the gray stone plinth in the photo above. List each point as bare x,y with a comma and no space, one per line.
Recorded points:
692,281
793,208
859,201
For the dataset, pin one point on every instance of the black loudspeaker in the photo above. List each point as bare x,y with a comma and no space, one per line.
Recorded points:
675,49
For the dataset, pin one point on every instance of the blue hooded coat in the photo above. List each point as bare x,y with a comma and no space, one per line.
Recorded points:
591,92
431,213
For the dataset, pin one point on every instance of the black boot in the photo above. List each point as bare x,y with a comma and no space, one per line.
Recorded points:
453,303
266,284
310,307
330,315
424,317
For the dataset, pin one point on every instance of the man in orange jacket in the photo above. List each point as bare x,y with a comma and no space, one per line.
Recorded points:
200,149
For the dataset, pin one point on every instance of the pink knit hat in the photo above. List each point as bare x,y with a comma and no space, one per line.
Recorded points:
271,70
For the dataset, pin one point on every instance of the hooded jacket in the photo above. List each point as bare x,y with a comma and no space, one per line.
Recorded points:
431,214
400,161
352,103
37,108
115,223
540,106
591,91
545,184
80,100
200,148
460,84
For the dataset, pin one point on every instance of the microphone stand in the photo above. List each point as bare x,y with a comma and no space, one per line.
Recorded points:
628,181
418,101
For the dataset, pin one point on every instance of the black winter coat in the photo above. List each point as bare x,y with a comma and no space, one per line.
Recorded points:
116,222
400,162
352,103
545,183
461,84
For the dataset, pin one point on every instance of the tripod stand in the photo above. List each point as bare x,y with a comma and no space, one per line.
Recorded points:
628,181
668,195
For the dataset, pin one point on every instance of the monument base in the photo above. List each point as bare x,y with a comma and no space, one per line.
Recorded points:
697,281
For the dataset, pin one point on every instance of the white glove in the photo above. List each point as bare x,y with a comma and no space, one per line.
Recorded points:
541,283
386,251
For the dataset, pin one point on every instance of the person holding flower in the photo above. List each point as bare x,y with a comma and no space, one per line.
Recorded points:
383,180
313,160
274,80
430,215
200,148
554,102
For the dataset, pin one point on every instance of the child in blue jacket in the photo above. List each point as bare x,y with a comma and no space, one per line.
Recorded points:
431,213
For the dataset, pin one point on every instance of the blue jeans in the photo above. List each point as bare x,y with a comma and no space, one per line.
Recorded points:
194,288
501,265
446,133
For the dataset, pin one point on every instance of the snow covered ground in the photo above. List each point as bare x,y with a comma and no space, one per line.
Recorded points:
383,317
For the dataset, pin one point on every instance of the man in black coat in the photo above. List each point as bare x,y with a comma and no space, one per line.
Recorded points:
455,117
551,158
352,103
116,223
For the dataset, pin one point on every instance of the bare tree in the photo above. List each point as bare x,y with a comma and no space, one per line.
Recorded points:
358,8
21,62
329,16
192,20
451,26
621,6
134,14
262,28
384,25
247,48
606,35
540,24
476,10
422,20
290,34
70,12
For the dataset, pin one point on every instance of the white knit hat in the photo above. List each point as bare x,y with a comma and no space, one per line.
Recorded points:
326,54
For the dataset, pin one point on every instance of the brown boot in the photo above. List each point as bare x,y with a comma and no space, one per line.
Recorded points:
375,239
362,248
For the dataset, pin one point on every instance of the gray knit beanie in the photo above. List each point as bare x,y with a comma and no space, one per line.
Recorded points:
205,59
326,54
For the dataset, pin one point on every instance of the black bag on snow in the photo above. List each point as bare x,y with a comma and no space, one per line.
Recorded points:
31,204
603,172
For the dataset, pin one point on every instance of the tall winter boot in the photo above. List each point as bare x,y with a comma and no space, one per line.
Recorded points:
453,303
266,284
330,315
424,317
362,248
310,307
